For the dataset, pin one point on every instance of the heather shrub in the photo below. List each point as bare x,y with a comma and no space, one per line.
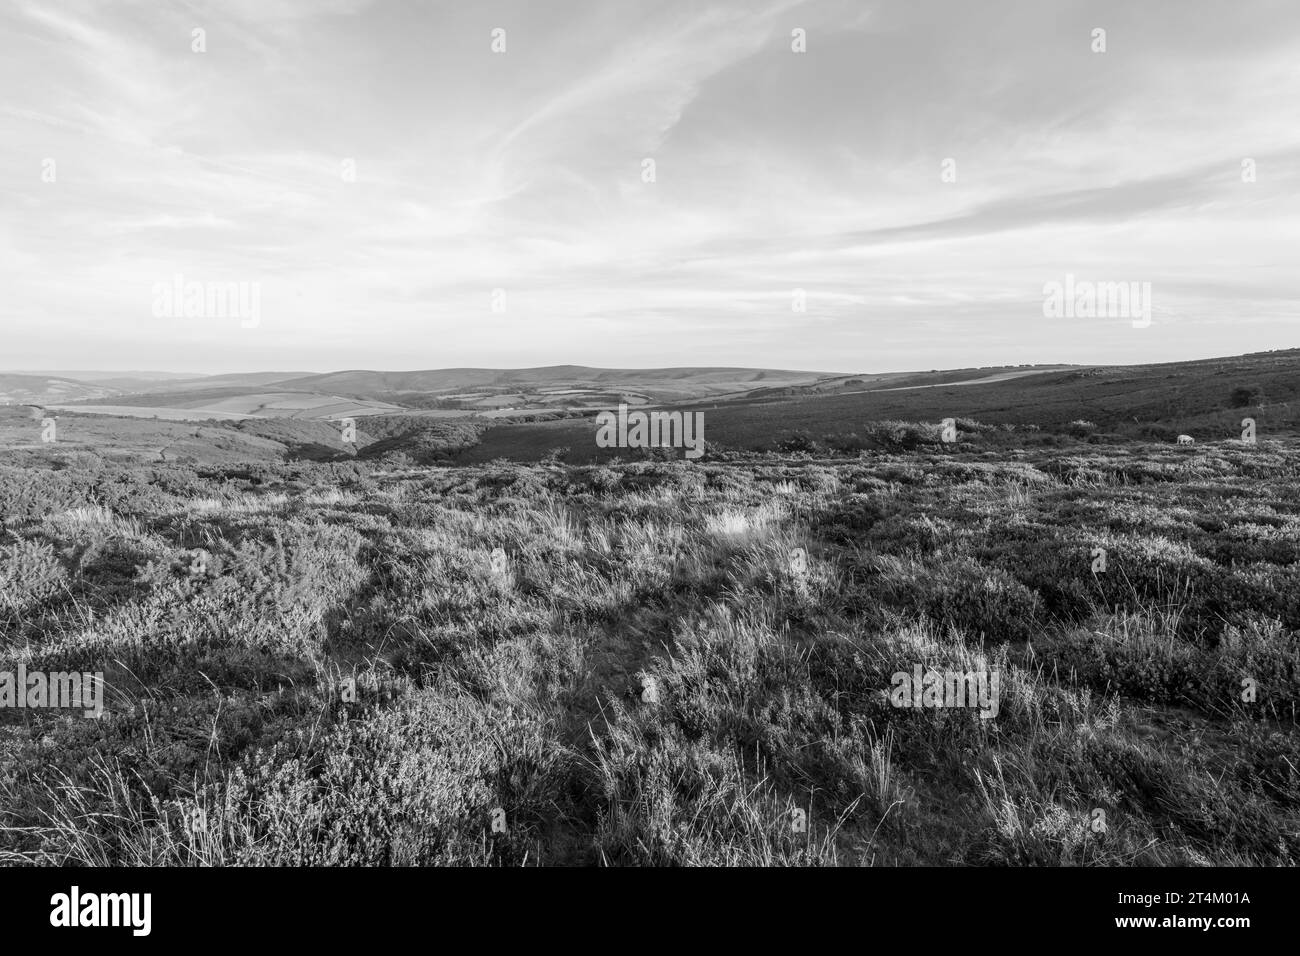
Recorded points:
672,661
30,573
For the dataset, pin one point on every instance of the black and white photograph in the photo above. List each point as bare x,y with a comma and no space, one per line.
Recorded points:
643,434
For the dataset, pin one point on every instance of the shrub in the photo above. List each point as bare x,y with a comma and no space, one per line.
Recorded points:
800,441
30,573
1244,396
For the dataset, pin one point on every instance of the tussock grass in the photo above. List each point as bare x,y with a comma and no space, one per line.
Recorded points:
321,668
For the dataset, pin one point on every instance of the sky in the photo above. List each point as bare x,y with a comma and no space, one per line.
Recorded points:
394,193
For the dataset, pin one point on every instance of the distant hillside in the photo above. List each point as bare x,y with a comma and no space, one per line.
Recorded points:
62,387
43,389
1206,398
120,381
688,379
526,413
231,380
233,402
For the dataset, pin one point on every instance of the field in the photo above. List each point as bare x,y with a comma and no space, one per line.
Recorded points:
490,393
234,405
366,661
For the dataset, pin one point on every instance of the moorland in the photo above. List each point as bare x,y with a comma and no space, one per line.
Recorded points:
478,641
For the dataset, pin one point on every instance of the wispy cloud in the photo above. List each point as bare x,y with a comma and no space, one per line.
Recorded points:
381,171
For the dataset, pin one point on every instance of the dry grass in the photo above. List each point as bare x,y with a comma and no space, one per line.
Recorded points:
768,737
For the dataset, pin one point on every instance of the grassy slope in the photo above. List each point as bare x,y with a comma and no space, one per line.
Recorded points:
1194,397
706,378
1154,401
229,739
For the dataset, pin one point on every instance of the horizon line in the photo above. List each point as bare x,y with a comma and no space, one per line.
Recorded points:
601,368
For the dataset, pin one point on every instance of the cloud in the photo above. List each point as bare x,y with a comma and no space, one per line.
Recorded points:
775,170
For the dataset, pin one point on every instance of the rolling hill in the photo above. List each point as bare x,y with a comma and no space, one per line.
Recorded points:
526,413
435,392
667,381
1206,398
37,389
